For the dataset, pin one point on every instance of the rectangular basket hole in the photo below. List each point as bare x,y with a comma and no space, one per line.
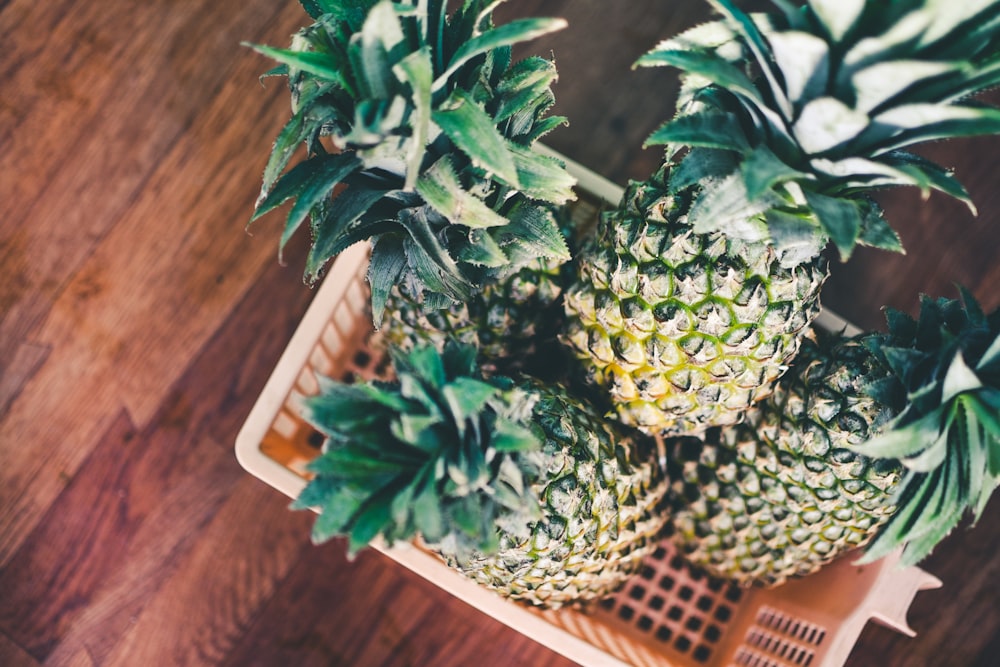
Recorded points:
685,593
637,592
693,623
626,613
607,603
656,602
723,613
666,582
647,573
645,623
362,359
704,603
733,594
701,653
682,644
664,634
675,613
315,439
790,626
712,633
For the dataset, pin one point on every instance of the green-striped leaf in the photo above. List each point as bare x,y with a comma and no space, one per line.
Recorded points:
507,34
762,170
482,250
370,522
958,379
416,69
875,229
915,123
387,262
473,132
901,443
542,177
705,130
709,66
839,16
840,218
371,51
322,65
441,189
532,233
826,123
467,397
330,235
804,61
883,81
755,41
432,264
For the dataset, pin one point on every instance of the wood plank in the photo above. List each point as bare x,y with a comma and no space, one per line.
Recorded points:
370,611
18,370
101,93
234,566
12,655
955,624
145,496
155,289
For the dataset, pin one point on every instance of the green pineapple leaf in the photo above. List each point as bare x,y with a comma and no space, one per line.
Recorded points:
475,134
840,218
520,30
542,178
763,170
441,189
388,260
708,130
948,436
322,65
417,70
425,114
825,97
427,454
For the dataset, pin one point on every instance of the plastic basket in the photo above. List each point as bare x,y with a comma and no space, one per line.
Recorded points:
667,615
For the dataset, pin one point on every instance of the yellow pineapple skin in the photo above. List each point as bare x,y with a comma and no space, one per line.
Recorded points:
685,331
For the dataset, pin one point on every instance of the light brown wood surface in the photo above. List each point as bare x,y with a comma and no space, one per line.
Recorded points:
138,322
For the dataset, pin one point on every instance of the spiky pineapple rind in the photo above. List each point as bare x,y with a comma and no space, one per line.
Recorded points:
685,330
783,494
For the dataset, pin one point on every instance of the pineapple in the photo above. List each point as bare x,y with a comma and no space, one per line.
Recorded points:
518,485
505,321
418,131
695,296
513,322
884,437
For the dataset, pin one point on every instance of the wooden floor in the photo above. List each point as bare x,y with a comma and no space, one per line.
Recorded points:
138,322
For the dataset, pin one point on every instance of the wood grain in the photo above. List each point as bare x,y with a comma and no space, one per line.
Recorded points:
138,322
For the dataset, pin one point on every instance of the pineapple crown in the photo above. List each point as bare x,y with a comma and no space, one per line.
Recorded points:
431,126
791,118
947,364
440,452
